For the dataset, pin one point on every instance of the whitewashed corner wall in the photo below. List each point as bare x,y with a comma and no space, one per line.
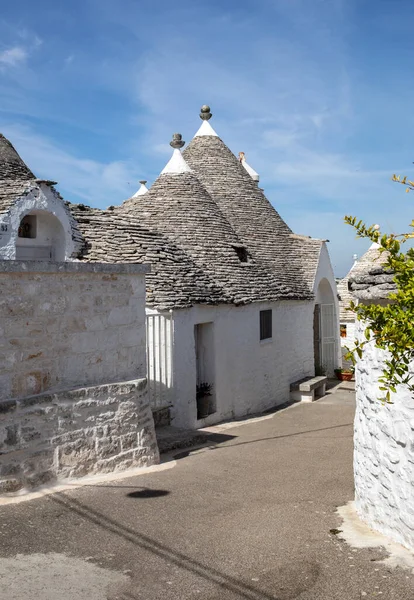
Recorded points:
383,451
250,375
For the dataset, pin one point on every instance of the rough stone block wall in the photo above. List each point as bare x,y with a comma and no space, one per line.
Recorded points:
384,452
73,392
72,327
73,433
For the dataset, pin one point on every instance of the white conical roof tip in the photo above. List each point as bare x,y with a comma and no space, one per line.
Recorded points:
374,245
142,190
253,174
176,164
206,128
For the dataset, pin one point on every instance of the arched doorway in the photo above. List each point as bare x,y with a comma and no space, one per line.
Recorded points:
326,329
40,237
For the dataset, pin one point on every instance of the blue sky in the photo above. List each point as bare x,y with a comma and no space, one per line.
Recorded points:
318,94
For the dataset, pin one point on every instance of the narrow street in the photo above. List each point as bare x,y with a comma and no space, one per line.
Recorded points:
247,517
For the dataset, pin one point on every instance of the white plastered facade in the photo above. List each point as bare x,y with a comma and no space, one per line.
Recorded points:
53,225
383,450
247,375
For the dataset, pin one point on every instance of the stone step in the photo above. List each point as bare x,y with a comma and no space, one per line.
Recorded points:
170,438
161,416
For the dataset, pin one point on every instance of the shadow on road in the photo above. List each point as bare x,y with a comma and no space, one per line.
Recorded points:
225,582
148,493
266,439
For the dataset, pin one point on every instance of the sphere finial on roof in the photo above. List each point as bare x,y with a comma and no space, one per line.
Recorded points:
205,114
177,141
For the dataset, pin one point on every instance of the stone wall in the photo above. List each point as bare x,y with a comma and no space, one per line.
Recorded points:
73,433
70,325
384,452
73,392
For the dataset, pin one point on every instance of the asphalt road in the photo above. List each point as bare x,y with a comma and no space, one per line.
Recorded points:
248,517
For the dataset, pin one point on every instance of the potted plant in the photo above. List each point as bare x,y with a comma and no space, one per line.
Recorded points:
344,374
203,399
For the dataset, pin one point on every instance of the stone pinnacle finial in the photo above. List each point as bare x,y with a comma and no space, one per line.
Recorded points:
142,181
205,114
177,141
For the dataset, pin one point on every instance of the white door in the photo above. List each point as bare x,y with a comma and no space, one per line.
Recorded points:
328,338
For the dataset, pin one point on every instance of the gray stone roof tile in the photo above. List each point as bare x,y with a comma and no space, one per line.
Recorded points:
10,191
11,165
257,224
175,281
360,283
179,207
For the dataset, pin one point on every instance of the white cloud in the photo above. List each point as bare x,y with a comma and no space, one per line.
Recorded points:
80,179
13,57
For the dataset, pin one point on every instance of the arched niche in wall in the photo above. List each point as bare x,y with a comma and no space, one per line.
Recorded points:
324,293
40,236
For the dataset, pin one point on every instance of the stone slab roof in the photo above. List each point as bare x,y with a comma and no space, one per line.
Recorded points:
175,281
179,207
374,284
209,230
306,253
11,165
255,221
357,283
11,190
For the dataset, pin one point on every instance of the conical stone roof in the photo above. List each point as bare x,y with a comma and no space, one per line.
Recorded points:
258,225
11,165
16,179
179,206
373,259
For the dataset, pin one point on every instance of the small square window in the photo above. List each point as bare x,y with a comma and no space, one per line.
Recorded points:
265,324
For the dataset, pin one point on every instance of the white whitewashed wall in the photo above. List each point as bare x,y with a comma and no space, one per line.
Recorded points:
384,452
250,375
349,340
